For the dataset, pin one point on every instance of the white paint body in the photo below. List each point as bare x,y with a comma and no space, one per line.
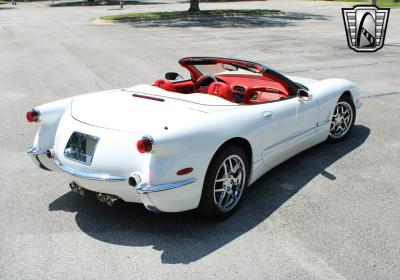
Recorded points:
198,124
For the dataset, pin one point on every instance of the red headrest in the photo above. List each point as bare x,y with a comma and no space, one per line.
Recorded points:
165,85
220,89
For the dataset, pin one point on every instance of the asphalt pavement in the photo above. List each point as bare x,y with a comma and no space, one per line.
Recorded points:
331,212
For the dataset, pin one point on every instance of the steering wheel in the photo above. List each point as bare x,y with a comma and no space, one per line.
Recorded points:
202,81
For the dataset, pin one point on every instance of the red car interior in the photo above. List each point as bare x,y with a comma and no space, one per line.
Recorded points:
184,86
221,90
166,85
238,88
246,89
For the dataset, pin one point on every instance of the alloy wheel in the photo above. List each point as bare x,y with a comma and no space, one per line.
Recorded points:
341,120
229,183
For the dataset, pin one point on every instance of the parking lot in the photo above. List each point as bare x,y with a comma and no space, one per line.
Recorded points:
331,212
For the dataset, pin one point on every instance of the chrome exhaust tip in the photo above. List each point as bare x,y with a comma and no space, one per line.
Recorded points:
81,191
100,197
77,189
50,153
74,187
110,199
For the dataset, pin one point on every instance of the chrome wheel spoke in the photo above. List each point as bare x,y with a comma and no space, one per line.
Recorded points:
226,170
230,164
221,198
238,171
239,179
235,169
347,120
228,200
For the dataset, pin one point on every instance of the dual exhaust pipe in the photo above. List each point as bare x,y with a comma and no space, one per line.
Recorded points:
108,199
77,189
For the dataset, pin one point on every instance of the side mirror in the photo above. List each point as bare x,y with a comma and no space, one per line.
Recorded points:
304,95
172,76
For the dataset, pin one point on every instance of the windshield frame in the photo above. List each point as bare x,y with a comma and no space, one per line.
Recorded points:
190,62
221,70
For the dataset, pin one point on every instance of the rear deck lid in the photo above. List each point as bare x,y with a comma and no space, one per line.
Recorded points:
144,108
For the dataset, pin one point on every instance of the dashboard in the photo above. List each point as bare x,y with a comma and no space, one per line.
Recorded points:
252,89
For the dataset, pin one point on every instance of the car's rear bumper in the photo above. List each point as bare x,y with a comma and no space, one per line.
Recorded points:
168,197
40,158
89,175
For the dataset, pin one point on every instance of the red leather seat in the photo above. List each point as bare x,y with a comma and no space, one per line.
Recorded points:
165,85
220,89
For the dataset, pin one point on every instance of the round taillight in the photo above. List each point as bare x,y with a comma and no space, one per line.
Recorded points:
33,116
145,145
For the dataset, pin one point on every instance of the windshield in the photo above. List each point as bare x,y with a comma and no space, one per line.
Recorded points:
224,68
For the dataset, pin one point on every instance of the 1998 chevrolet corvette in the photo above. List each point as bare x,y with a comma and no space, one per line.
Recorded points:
196,143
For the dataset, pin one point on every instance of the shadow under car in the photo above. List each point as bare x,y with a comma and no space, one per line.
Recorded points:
186,237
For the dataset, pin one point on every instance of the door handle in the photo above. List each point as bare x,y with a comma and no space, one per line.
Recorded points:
267,115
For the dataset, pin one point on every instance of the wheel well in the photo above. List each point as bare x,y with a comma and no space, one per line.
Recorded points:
348,94
240,142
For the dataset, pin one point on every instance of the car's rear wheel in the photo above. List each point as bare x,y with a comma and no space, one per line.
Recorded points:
343,119
225,183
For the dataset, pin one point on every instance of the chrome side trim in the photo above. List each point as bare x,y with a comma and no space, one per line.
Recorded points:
358,105
323,123
291,137
146,188
33,151
88,175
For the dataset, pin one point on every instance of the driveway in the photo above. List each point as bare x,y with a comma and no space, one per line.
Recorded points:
331,212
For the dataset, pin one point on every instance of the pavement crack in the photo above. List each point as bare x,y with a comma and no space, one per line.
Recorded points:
381,94
340,67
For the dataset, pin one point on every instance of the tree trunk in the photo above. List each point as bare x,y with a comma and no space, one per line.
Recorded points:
121,4
373,2
194,6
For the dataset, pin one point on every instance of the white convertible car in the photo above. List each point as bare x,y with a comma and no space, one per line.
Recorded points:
196,143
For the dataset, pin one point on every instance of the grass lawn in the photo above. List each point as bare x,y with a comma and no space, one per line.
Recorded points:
186,14
379,3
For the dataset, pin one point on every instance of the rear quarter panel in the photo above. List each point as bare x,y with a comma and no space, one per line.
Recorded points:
195,145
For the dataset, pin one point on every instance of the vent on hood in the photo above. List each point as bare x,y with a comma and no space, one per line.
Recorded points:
148,97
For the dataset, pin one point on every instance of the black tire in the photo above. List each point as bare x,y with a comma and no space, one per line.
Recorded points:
208,203
344,100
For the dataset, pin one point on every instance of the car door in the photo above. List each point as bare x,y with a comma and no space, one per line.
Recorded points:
288,128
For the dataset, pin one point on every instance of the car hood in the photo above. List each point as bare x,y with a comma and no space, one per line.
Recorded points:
145,108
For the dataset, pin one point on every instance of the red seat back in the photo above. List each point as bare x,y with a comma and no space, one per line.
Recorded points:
165,85
220,89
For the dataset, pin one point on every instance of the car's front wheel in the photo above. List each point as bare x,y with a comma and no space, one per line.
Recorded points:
225,183
343,119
